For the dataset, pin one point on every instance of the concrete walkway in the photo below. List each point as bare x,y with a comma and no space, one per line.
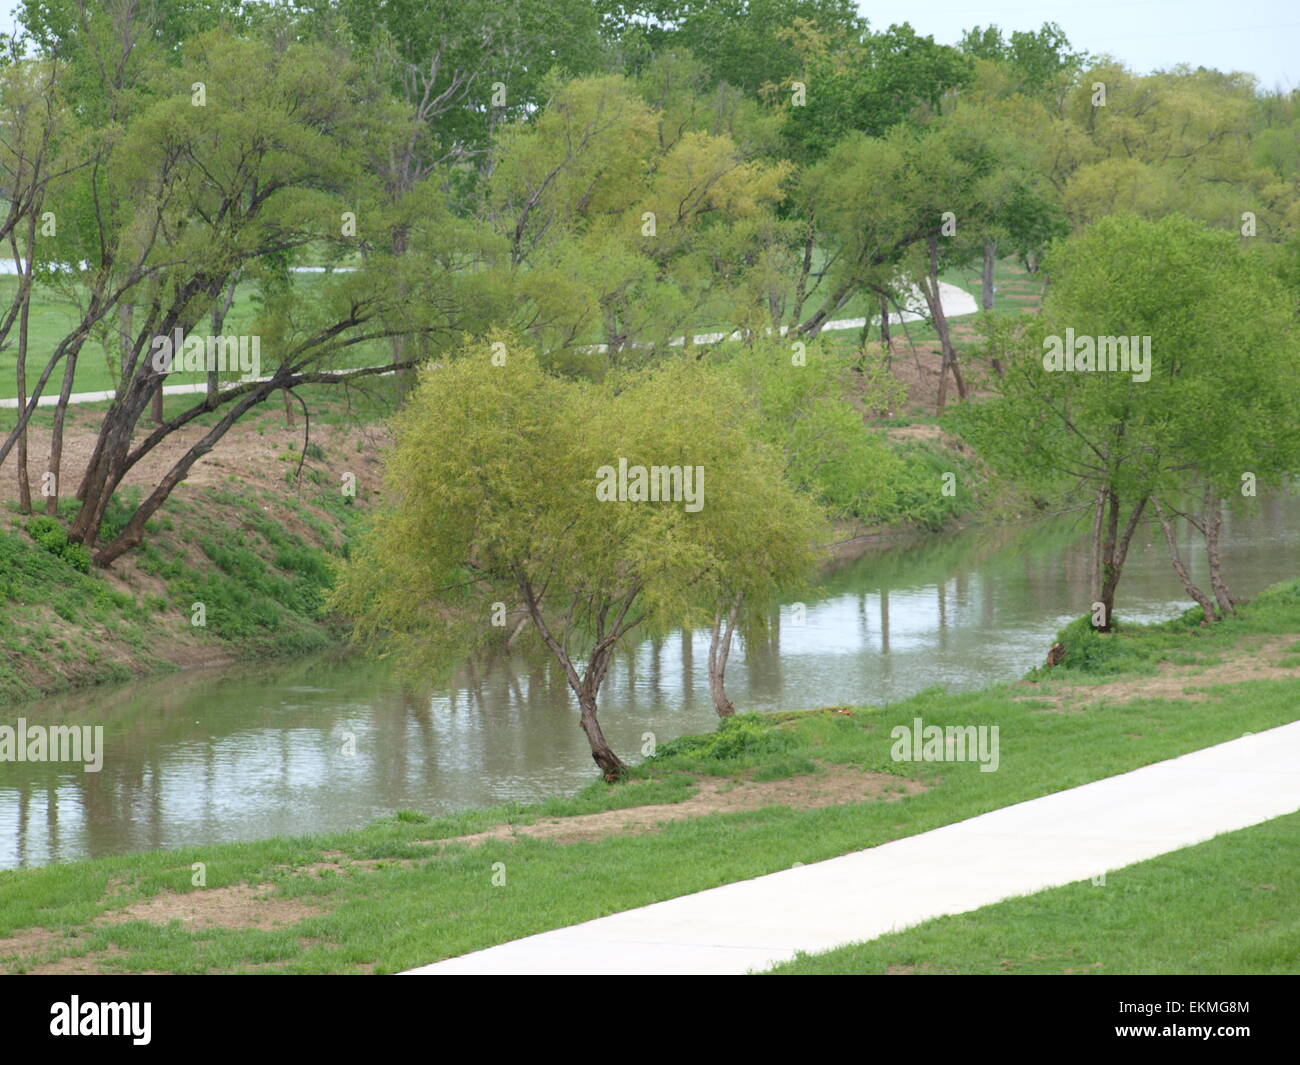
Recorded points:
1058,839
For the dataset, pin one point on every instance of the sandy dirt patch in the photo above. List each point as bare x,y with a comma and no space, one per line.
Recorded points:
1252,659
239,906
236,906
830,786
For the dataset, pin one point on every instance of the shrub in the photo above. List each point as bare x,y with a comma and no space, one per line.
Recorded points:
740,741
47,532
1090,651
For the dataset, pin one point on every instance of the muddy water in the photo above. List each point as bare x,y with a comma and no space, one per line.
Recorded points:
322,745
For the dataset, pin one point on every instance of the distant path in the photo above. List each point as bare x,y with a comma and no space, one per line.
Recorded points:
1057,839
956,302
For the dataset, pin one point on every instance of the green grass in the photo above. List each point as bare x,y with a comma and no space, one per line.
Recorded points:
53,317
422,902
64,624
1016,288
1097,656
1227,906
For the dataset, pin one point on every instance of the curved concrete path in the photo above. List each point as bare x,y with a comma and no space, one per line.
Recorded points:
1057,839
956,302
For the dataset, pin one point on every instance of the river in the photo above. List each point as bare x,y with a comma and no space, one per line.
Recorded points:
302,747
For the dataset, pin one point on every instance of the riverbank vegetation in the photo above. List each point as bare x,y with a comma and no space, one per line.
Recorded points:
393,302
756,796
252,538
624,195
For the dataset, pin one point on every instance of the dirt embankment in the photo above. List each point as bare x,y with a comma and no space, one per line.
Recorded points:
245,478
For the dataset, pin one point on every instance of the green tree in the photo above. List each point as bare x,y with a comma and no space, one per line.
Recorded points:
870,84
739,41
185,196
505,491
1038,63
1116,439
620,224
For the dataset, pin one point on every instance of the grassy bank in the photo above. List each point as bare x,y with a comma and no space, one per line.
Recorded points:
754,797
250,536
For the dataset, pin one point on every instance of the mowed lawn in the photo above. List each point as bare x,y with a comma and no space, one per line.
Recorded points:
53,317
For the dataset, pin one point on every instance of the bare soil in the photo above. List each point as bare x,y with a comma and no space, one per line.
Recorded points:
832,785
43,951
1252,659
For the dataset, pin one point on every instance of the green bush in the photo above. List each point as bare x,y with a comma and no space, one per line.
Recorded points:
47,532
1101,653
77,556
918,490
740,741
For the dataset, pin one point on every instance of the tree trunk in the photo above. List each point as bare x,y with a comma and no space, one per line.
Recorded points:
403,380
986,277
1094,575
1213,523
25,294
1207,608
133,531
56,436
833,303
126,336
805,268
1114,553
719,650
886,341
219,312
585,687
611,766
930,289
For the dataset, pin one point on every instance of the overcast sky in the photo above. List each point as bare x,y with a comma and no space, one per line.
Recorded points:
1261,37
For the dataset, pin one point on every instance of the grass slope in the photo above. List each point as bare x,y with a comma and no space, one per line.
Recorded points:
249,538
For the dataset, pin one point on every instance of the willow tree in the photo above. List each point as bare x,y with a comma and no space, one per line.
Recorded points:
1170,391
235,177
801,400
590,511
623,222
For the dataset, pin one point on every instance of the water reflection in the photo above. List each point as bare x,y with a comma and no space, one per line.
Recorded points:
264,750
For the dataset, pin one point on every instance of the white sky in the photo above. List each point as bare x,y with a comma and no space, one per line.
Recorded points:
1261,37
